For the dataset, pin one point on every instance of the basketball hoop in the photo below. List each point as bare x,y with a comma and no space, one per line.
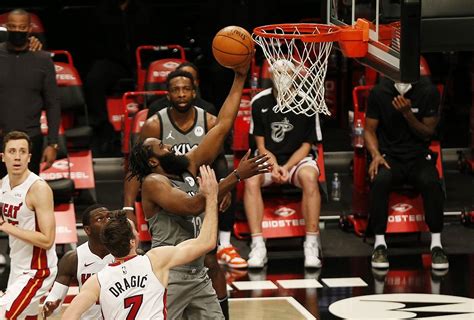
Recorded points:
298,57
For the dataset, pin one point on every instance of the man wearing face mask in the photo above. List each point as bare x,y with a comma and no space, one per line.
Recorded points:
400,122
27,86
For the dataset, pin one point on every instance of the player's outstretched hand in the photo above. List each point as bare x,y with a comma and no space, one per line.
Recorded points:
208,185
250,167
243,69
49,308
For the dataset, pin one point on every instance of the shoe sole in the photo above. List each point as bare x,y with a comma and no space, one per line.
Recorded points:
380,265
440,266
231,265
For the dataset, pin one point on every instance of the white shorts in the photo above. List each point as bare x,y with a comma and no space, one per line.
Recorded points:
293,173
24,291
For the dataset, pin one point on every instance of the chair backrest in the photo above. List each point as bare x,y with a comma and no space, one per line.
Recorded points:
242,123
71,94
158,71
137,124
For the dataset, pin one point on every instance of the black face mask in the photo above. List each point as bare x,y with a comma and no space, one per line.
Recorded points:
17,38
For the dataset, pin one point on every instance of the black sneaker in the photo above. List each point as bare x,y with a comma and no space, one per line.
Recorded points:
379,257
439,260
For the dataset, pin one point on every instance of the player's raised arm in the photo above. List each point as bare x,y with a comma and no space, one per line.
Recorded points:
84,300
212,143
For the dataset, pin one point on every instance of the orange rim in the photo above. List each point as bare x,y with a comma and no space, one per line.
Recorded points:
306,32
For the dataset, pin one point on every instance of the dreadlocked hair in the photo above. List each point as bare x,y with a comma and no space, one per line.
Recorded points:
138,164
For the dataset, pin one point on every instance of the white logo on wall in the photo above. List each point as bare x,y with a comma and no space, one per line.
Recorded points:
402,207
199,131
279,129
62,165
404,306
190,181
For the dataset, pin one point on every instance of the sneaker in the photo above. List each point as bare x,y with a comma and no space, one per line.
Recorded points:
230,257
379,257
311,255
232,275
439,260
257,256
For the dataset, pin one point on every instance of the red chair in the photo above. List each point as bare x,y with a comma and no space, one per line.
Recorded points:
405,208
282,214
153,76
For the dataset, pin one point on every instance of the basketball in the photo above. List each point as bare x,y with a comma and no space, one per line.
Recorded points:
232,46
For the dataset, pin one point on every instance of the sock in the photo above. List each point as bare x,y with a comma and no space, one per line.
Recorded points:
224,303
312,237
257,239
224,238
380,240
435,240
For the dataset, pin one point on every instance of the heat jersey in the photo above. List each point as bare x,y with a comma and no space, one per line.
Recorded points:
24,256
89,264
130,290
182,141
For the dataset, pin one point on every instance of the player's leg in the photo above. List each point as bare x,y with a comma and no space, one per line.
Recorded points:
253,204
218,281
178,293
204,303
305,176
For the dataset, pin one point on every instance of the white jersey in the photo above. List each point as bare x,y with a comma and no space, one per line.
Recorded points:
89,264
24,256
130,290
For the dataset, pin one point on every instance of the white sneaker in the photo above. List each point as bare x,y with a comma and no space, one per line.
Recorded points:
257,256
311,255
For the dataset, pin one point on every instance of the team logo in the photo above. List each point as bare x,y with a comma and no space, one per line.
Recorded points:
401,207
190,181
199,131
404,306
279,129
62,165
284,212
124,270
170,135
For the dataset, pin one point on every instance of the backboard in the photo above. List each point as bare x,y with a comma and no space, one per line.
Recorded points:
394,34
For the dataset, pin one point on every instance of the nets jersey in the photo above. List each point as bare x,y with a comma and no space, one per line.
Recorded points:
169,229
182,141
89,264
24,256
130,290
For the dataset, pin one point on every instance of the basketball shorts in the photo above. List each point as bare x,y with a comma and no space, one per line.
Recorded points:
24,291
293,173
190,295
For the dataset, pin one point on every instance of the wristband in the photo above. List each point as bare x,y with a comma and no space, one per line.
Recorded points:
237,175
128,208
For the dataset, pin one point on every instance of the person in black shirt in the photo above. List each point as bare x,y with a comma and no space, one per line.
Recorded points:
400,121
287,139
164,102
27,86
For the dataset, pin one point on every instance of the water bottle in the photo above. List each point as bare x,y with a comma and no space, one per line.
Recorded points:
358,135
336,188
253,83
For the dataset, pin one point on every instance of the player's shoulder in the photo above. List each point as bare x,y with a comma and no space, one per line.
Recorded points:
155,179
41,185
262,97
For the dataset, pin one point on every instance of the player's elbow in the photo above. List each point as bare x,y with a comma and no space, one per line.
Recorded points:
47,243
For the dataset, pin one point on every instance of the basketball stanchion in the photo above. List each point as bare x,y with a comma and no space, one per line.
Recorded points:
298,57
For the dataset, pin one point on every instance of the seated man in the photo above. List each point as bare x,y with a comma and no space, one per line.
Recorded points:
287,139
400,120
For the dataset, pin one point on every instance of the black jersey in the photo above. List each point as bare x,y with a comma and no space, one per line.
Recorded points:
283,132
395,137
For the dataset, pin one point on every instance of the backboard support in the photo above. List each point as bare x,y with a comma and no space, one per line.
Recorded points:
394,38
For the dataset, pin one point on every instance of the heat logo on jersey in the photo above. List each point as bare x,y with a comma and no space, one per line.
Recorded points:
182,148
279,129
10,212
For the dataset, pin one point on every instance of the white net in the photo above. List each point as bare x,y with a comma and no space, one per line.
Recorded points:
298,67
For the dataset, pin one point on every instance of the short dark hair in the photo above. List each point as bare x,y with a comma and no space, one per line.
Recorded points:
17,135
21,12
117,233
188,64
86,214
179,73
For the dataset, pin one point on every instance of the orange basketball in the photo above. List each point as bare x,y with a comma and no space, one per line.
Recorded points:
232,46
